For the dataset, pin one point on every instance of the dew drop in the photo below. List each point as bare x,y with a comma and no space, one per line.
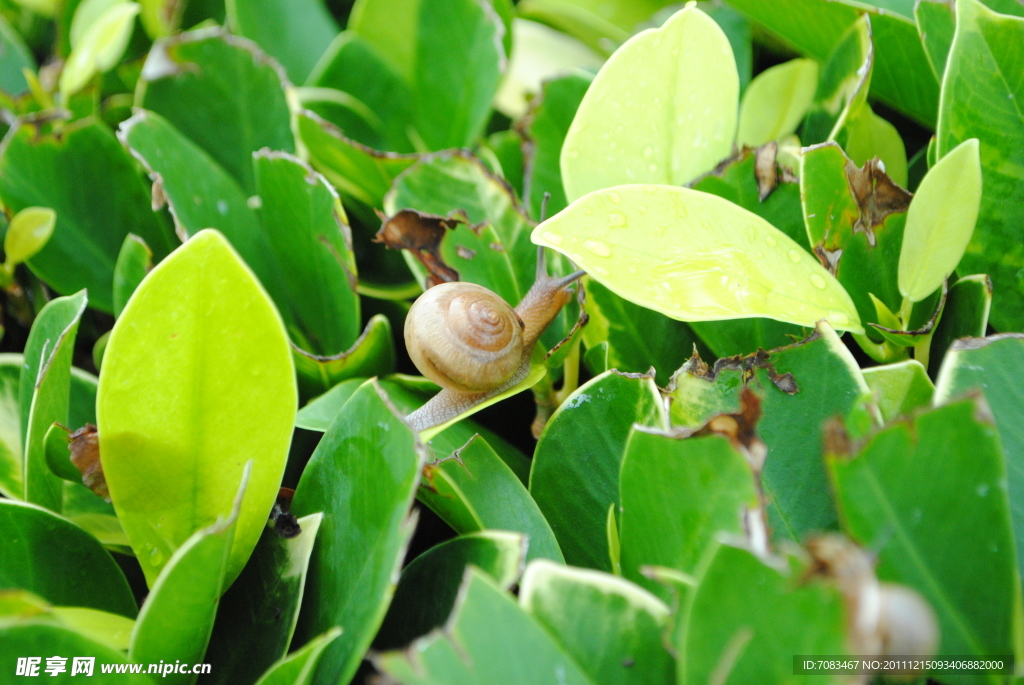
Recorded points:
648,152
794,256
818,281
616,220
632,270
588,210
770,240
642,209
598,247
614,197
758,255
553,238
155,557
598,271
653,168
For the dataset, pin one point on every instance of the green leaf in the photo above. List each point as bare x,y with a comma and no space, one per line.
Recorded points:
494,248
992,365
309,235
11,446
507,148
775,102
936,23
828,383
90,181
15,57
488,640
177,617
747,618
669,127
895,496
363,477
843,89
257,615
299,667
982,98
855,222
545,126
440,569
411,392
698,271
638,338
222,93
294,236
379,104
27,233
472,489
357,171
964,316
903,78
36,637
134,261
294,32
451,90
110,629
44,389
619,642
677,495
372,354
574,493
899,388
176,428
940,221
55,559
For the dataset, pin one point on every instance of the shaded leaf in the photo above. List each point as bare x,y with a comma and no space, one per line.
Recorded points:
440,569
619,642
299,667
363,477
982,99
55,559
965,316
294,32
899,388
677,495
483,642
133,263
895,495
223,94
574,492
776,101
90,181
472,489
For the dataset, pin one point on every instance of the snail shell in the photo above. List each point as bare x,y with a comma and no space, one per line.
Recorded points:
464,337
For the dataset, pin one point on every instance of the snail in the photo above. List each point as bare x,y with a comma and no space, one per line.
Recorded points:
472,343
883,619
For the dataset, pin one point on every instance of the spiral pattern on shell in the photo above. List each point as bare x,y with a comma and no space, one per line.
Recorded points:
464,337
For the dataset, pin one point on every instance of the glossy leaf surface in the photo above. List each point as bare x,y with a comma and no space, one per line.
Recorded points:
573,493
720,261
176,429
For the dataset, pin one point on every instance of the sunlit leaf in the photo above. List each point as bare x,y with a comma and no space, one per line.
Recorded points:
177,428
672,124
695,257
940,221
775,102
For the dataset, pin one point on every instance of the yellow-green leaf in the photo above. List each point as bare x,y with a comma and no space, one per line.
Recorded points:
101,47
28,232
695,257
776,101
940,221
177,427
661,110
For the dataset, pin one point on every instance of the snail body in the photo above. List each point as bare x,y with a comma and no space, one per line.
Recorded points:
475,345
